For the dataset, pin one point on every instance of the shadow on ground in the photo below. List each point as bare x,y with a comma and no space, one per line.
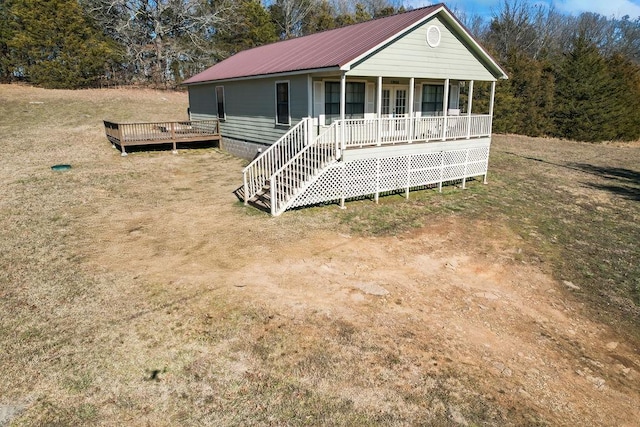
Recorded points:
168,146
620,181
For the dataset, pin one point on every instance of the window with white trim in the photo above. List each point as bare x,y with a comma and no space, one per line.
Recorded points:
354,101
282,104
220,102
432,99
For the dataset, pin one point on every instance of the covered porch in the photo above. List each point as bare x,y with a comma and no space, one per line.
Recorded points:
376,111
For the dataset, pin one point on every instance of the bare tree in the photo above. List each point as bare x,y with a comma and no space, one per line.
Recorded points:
375,8
473,22
521,27
289,15
628,38
162,37
378,8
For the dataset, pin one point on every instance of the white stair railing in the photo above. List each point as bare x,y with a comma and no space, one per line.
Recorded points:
258,172
295,175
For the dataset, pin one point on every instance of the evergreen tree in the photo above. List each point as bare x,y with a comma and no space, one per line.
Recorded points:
506,105
251,26
626,82
320,18
361,14
345,19
55,45
585,96
532,84
6,34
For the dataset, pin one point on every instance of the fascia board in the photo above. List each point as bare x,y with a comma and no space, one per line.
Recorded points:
266,76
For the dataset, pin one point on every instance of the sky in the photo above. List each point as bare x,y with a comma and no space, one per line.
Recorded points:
608,8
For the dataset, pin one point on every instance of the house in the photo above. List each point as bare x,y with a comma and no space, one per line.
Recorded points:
380,106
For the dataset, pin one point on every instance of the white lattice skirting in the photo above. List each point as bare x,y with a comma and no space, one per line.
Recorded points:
373,173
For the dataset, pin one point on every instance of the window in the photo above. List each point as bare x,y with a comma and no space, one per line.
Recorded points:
220,102
331,101
354,101
282,103
386,101
432,99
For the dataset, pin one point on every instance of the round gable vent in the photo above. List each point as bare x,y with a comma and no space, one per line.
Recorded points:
433,36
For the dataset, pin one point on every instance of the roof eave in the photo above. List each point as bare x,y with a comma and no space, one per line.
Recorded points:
266,76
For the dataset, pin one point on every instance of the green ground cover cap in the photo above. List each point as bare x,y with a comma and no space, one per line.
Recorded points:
61,167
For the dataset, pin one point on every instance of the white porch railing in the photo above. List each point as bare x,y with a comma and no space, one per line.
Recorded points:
258,172
362,132
300,170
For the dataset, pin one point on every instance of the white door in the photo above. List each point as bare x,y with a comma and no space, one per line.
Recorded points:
395,107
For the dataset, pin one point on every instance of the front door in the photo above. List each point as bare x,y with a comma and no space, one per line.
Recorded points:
394,101
394,107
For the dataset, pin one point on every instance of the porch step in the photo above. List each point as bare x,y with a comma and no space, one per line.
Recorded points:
264,195
262,199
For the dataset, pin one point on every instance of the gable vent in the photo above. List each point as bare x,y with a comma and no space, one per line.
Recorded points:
433,36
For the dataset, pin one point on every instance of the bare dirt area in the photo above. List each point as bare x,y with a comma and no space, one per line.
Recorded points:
140,291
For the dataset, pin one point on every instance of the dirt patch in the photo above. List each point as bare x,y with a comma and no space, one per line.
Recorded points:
9,412
508,326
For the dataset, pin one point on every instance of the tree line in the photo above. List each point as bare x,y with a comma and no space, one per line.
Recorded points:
572,77
575,77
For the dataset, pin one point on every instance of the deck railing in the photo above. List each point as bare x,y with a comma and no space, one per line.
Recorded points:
258,172
480,125
380,131
126,134
160,131
428,128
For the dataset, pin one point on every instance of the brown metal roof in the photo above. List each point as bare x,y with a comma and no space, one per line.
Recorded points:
327,49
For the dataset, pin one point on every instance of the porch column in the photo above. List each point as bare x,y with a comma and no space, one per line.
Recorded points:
343,95
445,109
469,104
343,103
491,101
412,82
309,96
379,107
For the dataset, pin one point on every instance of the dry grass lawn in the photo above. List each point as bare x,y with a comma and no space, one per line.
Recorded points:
140,291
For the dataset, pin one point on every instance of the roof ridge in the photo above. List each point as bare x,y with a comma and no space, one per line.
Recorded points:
368,21
373,19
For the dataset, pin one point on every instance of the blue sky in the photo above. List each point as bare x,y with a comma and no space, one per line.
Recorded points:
617,8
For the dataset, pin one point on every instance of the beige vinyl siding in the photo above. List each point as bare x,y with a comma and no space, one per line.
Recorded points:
411,56
250,107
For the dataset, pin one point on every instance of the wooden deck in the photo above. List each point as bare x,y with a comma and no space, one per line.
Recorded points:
173,132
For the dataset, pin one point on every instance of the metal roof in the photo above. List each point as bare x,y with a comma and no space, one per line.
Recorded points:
332,49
